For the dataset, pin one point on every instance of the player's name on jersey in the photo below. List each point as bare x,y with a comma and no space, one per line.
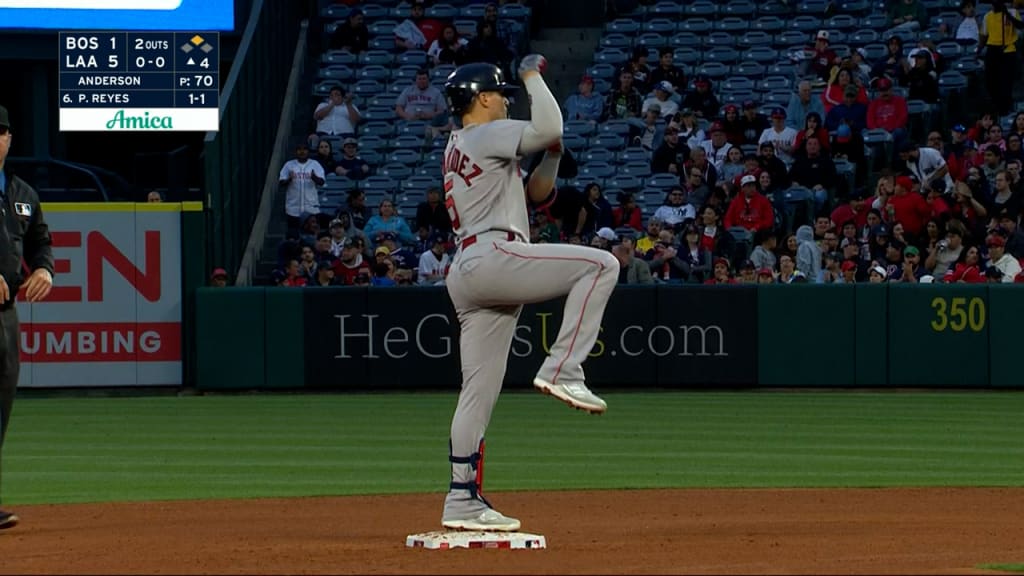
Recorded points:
134,80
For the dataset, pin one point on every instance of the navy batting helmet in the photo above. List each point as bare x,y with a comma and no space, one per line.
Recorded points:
469,80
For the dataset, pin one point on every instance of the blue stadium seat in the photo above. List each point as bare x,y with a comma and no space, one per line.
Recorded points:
952,81
441,72
414,58
616,127
386,43
844,22
685,55
395,171
634,154
374,72
374,11
769,24
580,127
514,11
662,181
640,169
813,7
626,182
372,143
737,83
602,85
597,170
623,26
404,156
854,7
722,55
762,54
335,12
738,97
660,26
733,24
791,38
714,70
339,73
372,157
651,39
376,57
610,141
949,50
665,9
932,35
604,71
598,155
753,70
380,184
376,128
616,40
947,18
703,8
719,39
875,21
697,25
574,142
367,87
474,11
382,27
429,169
806,23
581,182
442,11
418,185
610,56
836,37
742,8
876,51
406,73
410,141
685,40
774,8
465,27
966,65
863,37
773,83
754,38
396,88
339,57
379,113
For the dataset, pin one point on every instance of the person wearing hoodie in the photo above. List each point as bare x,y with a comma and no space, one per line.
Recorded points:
808,254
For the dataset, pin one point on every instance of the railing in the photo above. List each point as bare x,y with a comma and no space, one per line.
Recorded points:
52,179
236,157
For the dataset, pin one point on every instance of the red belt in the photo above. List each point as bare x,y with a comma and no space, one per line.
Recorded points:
470,240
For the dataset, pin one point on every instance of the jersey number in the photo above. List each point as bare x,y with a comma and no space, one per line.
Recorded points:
449,204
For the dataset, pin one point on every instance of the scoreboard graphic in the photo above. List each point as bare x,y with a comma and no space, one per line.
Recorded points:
139,81
118,14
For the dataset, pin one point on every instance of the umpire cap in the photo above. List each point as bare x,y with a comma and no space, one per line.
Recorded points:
469,80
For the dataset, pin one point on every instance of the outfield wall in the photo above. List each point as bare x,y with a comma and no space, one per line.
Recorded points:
115,316
664,336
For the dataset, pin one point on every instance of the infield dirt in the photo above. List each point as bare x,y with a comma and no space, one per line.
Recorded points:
727,531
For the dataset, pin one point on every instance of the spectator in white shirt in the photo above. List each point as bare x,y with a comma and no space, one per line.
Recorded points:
434,263
1001,259
337,116
927,166
663,98
780,136
302,176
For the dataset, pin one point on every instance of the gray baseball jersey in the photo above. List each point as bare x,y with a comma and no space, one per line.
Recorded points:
483,187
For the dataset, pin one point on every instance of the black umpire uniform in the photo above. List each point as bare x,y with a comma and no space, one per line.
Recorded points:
24,233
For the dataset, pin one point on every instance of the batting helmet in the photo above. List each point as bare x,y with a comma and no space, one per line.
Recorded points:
469,80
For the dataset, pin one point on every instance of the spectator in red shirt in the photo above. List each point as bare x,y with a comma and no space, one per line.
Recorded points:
429,28
907,207
967,269
813,128
627,214
293,275
889,112
750,209
855,210
823,58
350,265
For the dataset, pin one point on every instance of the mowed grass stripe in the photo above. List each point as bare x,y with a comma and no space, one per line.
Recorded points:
96,449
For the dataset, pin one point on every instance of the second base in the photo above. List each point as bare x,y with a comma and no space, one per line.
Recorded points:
456,539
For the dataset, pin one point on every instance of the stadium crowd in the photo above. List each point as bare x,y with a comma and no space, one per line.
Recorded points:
751,191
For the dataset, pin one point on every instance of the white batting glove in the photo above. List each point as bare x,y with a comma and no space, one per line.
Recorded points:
533,63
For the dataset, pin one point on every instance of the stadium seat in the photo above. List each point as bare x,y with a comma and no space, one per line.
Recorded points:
597,170
719,39
703,8
662,181
743,8
611,56
603,71
714,70
769,24
616,40
395,171
418,185
514,11
597,155
639,169
414,58
376,183
405,73
668,9
474,11
404,156
610,141
738,97
721,55
949,50
875,21
733,24
379,114
774,8
854,7
339,57
336,73
660,26
380,57
634,154
754,38
367,87
623,26
763,54
386,43
776,83
651,39
966,65
876,51
442,12
381,27
410,141
626,182
441,72
697,25
737,83
806,23
377,129
843,22
952,81
372,157
581,182
791,38
753,70
335,12
430,170
580,127
574,142
688,55
374,72
374,11
863,37
813,7
615,127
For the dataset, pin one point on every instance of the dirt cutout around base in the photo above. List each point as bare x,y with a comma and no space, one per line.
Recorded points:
862,531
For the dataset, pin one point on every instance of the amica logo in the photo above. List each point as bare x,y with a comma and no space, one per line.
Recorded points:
144,122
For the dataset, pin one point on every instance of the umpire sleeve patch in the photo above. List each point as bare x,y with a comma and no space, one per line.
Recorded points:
23,209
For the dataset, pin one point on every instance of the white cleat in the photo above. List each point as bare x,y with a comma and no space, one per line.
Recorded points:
490,520
575,394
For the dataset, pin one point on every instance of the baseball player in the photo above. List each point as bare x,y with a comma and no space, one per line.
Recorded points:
496,270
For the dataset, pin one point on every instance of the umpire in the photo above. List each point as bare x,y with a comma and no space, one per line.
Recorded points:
23,232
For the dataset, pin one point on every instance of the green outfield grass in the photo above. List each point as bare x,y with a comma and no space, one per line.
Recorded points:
102,449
